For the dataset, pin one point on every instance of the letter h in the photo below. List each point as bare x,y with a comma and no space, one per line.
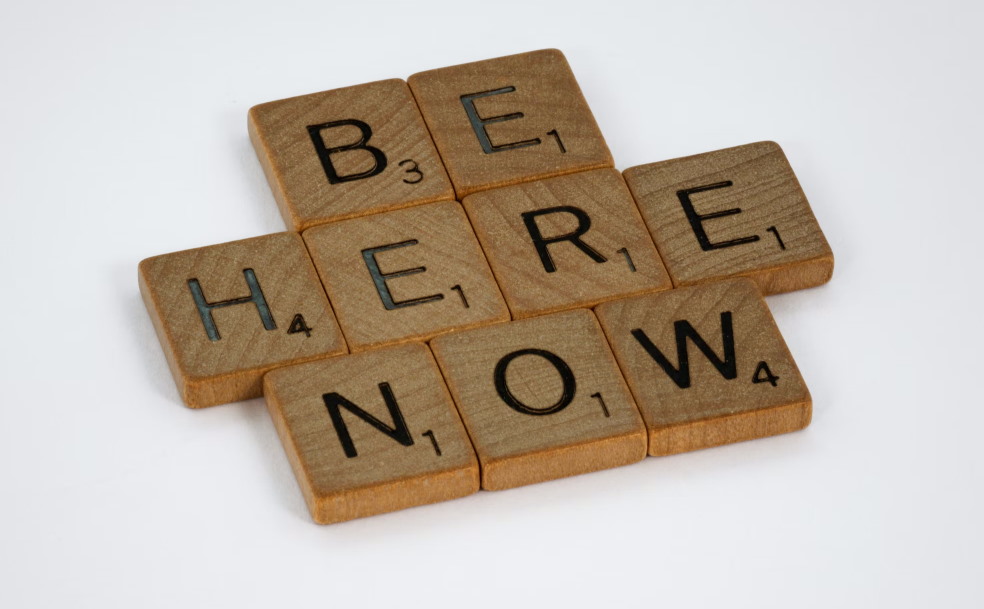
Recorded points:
255,296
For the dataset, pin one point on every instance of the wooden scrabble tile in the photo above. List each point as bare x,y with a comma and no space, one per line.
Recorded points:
226,314
371,433
733,212
347,152
406,274
541,398
511,119
707,366
566,242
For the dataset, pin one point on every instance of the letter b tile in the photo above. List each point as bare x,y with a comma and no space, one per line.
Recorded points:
371,433
226,314
508,120
541,399
408,274
347,152
733,212
707,366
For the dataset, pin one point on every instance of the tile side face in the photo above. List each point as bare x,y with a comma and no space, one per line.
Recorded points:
228,313
541,399
706,365
347,152
371,433
510,119
733,212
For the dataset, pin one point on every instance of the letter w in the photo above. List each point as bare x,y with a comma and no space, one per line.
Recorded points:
398,432
681,374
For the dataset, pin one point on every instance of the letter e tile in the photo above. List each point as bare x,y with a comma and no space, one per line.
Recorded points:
730,213
408,274
508,120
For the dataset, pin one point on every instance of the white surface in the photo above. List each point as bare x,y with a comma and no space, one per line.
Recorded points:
123,131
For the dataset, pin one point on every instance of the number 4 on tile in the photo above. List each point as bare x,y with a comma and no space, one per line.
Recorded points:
298,325
764,375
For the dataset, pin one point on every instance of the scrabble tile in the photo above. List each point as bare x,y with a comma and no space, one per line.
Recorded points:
541,398
346,153
371,433
707,366
566,242
508,120
226,314
403,275
733,212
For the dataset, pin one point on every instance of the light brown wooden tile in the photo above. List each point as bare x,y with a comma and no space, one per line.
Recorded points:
707,366
406,274
346,153
372,432
733,212
226,314
510,119
541,398
566,242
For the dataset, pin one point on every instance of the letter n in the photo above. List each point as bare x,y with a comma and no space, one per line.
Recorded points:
399,432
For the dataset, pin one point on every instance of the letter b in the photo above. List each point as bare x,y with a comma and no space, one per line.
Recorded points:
325,152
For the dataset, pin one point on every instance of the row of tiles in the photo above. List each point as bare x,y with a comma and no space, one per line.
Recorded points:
534,248
443,135
537,399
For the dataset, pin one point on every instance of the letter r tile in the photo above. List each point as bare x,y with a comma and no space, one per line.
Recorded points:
226,314
541,398
508,120
408,274
371,433
566,242
346,153
707,366
733,212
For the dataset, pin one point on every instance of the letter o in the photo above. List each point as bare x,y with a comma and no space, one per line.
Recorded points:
566,375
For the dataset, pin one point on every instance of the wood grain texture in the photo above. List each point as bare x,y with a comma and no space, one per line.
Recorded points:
596,427
448,285
595,207
718,406
231,367
755,179
533,123
426,459
413,174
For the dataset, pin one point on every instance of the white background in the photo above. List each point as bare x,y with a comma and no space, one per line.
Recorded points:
123,135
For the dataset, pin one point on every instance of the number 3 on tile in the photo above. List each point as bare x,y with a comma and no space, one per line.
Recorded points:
414,171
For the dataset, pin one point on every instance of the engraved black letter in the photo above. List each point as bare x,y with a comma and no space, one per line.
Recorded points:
566,376
379,277
541,242
324,153
728,368
478,123
399,432
255,296
697,220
